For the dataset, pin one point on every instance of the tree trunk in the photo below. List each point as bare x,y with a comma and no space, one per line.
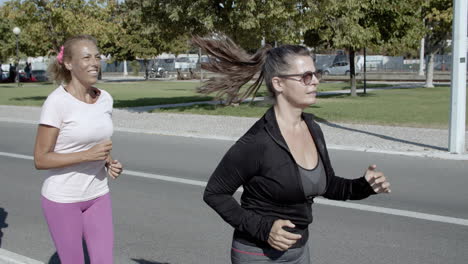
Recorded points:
125,72
145,63
352,73
430,71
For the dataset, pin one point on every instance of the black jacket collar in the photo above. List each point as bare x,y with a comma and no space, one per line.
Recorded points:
271,125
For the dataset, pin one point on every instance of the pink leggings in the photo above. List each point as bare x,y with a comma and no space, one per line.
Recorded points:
69,223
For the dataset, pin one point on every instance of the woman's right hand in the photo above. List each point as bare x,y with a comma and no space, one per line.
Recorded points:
99,151
281,239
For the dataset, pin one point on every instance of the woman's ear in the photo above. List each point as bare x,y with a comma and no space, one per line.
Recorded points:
278,85
67,65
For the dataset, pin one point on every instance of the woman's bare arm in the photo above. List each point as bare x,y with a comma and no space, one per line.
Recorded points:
45,157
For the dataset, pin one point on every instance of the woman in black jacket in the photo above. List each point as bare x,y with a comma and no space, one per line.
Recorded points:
282,162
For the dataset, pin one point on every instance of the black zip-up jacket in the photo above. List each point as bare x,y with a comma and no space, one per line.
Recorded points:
261,162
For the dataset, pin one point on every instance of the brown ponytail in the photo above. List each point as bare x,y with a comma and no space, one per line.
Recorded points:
236,66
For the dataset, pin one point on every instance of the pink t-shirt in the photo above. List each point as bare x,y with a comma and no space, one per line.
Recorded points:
81,127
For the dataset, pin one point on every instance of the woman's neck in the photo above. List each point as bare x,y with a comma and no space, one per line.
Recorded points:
288,116
80,91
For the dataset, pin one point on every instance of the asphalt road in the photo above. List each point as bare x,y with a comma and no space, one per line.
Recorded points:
166,222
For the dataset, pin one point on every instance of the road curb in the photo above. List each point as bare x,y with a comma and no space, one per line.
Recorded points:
8,257
437,155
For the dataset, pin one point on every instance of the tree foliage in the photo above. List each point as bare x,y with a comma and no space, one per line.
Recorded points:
152,27
437,15
7,42
45,25
247,22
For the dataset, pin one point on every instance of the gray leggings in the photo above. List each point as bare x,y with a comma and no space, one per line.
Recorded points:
245,254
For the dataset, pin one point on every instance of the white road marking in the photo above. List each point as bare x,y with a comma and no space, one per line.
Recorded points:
9,257
349,205
18,156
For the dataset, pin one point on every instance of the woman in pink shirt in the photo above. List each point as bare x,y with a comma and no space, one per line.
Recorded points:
73,144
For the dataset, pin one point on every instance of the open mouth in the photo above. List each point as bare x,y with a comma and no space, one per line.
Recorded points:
93,72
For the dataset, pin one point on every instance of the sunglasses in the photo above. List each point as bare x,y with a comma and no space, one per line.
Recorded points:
306,77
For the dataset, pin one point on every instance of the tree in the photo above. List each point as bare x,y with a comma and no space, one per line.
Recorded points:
46,24
438,15
355,24
152,27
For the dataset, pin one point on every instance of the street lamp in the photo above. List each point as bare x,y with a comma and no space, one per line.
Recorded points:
17,31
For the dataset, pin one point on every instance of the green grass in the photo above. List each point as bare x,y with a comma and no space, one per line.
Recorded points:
419,107
127,94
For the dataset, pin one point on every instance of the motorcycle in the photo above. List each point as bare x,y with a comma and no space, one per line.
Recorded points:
158,72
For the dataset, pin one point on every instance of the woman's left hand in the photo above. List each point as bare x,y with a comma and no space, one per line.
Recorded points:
377,180
114,168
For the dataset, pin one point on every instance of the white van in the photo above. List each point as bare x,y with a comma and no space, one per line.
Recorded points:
186,61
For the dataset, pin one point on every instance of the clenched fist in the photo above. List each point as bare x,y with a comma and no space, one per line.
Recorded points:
281,239
377,180
114,168
99,151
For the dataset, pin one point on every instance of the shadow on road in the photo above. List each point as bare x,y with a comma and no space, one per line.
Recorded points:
28,98
149,101
54,259
325,122
3,224
143,261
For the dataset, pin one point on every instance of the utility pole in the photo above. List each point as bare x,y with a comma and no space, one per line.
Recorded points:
458,80
17,31
421,58
200,61
365,71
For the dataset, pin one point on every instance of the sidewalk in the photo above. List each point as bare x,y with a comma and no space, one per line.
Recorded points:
420,142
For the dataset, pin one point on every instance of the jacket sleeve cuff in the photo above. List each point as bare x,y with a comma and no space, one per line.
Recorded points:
362,189
265,228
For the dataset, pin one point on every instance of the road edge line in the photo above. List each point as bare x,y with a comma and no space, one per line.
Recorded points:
8,257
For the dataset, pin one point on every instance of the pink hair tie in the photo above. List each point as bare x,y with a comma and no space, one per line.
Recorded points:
60,56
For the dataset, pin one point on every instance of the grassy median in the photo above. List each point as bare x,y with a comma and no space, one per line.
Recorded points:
417,107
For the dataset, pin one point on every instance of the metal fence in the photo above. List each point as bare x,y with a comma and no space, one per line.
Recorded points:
374,63
378,63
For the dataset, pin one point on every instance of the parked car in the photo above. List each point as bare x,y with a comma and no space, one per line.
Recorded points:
39,75
5,76
337,68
